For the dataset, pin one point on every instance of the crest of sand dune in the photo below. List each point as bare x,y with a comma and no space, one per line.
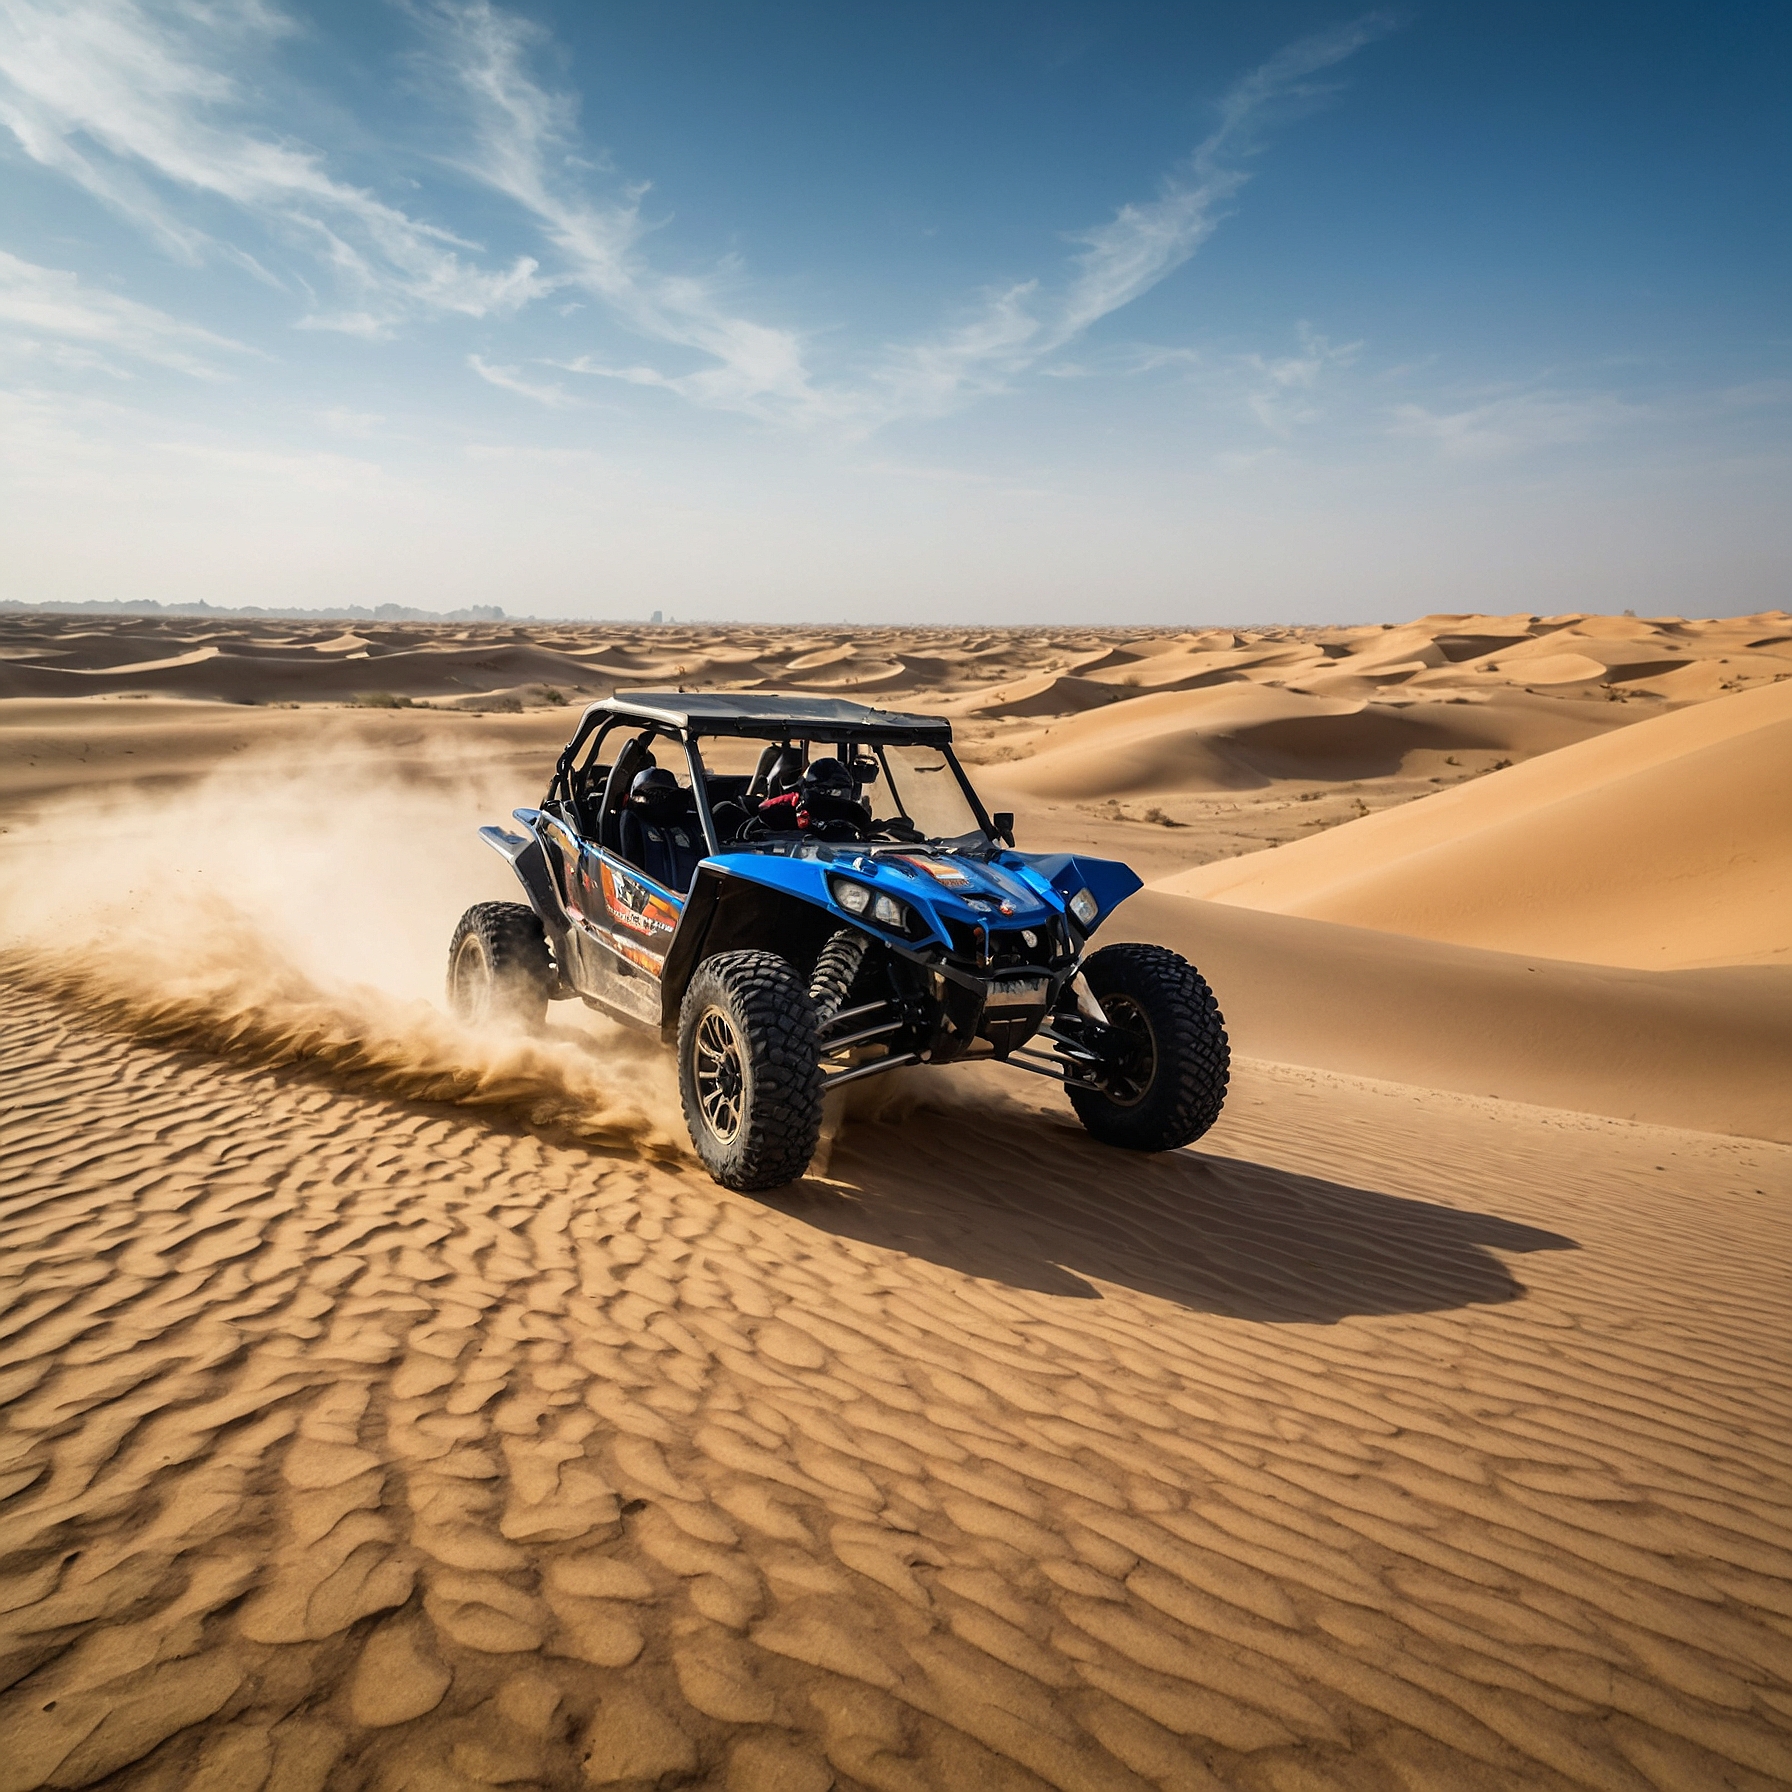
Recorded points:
1244,734
1041,694
1662,845
388,1405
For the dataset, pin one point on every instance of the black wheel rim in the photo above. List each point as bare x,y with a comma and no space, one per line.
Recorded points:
717,1072
1133,1060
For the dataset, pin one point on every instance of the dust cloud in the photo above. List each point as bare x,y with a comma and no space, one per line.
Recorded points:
281,914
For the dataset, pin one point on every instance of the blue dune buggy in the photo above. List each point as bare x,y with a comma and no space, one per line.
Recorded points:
789,941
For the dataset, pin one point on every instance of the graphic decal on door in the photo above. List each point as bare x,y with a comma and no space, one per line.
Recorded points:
638,906
653,963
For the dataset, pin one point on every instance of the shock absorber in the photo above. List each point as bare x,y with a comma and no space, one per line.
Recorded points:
836,970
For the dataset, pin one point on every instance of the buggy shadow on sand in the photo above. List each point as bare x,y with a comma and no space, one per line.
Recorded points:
841,907
1003,1193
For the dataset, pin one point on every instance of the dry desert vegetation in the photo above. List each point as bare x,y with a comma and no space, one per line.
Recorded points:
393,1406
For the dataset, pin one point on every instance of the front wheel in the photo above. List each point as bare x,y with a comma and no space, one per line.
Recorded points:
749,1070
499,968
1167,1061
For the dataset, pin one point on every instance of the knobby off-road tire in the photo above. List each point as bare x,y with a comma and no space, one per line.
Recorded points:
1171,1087
499,968
749,1072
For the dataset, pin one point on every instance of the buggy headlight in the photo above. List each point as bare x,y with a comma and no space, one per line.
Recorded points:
854,898
1084,906
889,911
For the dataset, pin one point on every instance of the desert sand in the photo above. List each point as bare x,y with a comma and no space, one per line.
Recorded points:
388,1405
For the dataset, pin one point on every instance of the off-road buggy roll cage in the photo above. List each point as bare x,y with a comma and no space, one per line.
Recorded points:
779,721
867,944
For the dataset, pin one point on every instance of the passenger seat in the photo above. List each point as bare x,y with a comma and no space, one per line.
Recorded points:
667,848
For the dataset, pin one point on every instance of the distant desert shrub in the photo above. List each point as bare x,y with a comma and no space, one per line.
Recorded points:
383,700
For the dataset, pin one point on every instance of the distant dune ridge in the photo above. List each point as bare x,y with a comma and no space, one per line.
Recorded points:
1246,735
391,1404
984,673
1666,845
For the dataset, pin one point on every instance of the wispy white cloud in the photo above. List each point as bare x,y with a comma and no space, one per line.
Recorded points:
977,357
523,138
1019,326
638,375
1283,392
137,101
38,303
151,106
556,398
1283,389
1517,423
1143,243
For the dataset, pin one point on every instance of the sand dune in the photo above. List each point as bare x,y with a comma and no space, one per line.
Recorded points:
1041,694
393,1406
1667,845
1709,1049
267,660
56,746
1239,736
254,672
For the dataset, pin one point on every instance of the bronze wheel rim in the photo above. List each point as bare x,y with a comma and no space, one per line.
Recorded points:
719,1074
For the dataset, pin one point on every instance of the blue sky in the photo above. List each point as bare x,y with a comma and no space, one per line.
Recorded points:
936,313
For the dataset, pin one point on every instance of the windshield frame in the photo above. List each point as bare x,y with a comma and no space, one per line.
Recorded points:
972,801
876,742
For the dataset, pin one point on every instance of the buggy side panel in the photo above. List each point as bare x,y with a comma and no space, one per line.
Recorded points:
609,926
620,936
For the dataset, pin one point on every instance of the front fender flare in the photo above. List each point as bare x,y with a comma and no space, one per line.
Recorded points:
741,901
529,860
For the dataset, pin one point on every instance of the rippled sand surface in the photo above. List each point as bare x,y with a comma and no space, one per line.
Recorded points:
1377,1442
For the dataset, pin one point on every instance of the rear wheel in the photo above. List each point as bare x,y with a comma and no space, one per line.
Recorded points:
499,968
749,1072
1164,1079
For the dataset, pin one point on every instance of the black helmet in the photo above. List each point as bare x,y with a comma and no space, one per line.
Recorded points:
828,777
783,769
654,788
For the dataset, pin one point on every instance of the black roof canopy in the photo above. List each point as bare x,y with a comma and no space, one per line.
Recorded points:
767,715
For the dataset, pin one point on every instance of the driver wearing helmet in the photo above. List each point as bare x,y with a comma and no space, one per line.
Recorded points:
655,792
825,803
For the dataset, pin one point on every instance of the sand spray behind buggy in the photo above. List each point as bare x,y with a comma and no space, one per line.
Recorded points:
289,915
